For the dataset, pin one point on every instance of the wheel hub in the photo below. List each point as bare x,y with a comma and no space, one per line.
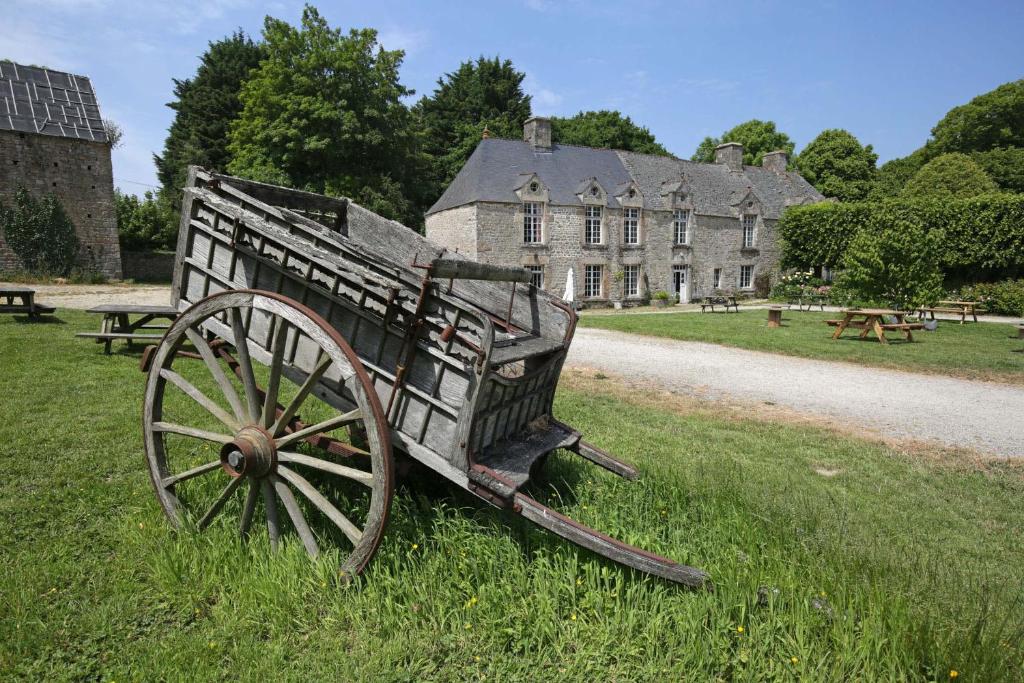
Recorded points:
250,454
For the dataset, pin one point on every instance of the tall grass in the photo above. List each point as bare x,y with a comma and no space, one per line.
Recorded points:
898,567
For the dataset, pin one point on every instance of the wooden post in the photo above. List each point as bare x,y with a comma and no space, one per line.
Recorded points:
775,316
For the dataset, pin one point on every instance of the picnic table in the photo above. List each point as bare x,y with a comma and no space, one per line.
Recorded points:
869,320
809,301
727,302
961,308
28,304
118,324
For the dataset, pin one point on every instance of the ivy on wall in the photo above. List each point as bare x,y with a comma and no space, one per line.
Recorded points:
39,231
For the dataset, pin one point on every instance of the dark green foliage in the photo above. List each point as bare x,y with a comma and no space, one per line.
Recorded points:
757,138
149,223
607,129
487,93
1003,165
980,238
837,164
896,265
204,107
1003,298
949,176
893,175
40,233
995,119
323,112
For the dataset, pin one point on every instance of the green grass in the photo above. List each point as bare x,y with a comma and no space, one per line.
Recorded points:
974,350
920,559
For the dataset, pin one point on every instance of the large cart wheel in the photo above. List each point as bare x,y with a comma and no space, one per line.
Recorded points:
211,434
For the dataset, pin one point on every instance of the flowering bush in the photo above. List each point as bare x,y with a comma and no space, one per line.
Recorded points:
797,284
1005,298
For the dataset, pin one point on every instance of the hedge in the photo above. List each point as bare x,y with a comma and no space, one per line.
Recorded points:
981,239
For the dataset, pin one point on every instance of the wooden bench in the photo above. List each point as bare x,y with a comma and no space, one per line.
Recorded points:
833,323
28,304
117,324
902,326
808,302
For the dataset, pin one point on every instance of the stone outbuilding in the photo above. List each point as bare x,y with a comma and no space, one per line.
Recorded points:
628,224
52,139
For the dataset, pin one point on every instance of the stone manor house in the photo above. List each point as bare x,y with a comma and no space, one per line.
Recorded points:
628,224
52,140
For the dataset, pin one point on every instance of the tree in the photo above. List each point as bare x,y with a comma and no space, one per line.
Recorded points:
39,231
757,138
1003,165
114,133
995,119
147,223
894,174
204,107
487,93
323,112
837,164
604,128
954,176
897,265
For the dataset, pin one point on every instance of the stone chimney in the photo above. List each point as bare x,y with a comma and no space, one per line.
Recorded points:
775,161
730,154
537,131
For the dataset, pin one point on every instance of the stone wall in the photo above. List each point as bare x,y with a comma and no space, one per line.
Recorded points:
454,229
79,173
148,266
715,242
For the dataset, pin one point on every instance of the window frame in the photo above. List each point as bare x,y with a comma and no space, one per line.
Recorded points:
628,268
533,222
716,278
681,226
587,280
631,219
748,244
536,270
588,220
748,268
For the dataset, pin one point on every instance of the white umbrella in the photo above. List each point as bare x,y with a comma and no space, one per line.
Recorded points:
570,287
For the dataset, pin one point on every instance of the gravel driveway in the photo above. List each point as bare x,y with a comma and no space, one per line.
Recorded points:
86,296
982,416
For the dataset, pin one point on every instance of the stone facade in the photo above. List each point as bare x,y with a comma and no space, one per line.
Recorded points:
79,173
486,220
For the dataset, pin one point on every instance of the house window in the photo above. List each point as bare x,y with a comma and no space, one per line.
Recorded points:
746,277
631,280
749,221
631,226
681,225
717,279
592,225
531,223
536,276
593,278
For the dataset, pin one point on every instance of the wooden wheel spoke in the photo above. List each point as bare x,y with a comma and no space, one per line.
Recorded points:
307,386
199,397
170,481
249,509
327,466
270,503
215,509
276,362
191,431
320,427
350,530
292,507
217,371
252,394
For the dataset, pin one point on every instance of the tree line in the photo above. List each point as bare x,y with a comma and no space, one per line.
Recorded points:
321,109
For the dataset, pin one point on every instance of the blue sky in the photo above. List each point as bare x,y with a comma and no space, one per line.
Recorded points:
886,71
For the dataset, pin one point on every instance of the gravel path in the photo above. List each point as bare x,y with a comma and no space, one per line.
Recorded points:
87,296
982,416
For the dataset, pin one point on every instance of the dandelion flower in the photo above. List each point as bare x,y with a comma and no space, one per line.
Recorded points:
953,673
476,658
739,629
415,546
468,626
579,582
573,617
794,660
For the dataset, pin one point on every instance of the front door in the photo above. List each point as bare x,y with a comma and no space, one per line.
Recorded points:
681,283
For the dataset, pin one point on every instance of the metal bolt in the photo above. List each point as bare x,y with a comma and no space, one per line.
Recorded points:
236,460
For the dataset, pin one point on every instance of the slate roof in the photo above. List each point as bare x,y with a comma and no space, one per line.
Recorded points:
498,167
38,100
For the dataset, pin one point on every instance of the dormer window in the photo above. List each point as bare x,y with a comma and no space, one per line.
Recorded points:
681,226
631,225
594,192
534,186
531,223
749,224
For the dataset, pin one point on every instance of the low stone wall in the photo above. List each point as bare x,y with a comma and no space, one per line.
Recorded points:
148,266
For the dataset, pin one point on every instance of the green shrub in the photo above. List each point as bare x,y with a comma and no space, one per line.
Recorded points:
978,239
896,266
145,224
40,233
1003,298
660,295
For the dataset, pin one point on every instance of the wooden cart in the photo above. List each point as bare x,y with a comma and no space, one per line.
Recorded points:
388,344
